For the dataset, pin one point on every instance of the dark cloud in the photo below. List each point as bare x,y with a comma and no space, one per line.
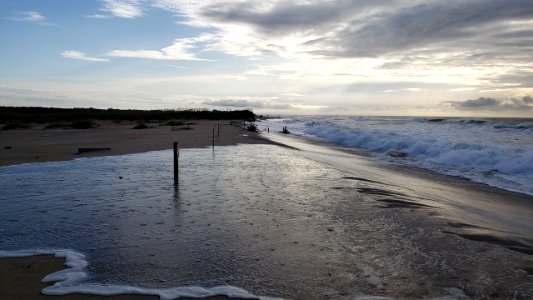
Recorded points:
481,31
516,79
483,103
436,24
477,103
248,104
286,17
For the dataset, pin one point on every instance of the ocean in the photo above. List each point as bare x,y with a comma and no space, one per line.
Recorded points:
497,152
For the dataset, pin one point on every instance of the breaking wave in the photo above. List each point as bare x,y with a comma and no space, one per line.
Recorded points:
498,152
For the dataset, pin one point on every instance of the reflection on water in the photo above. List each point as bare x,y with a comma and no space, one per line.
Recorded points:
257,217
230,216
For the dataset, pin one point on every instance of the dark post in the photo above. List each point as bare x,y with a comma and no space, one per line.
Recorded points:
213,138
176,164
218,132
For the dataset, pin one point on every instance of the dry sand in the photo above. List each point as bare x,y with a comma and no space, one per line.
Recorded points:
38,145
20,278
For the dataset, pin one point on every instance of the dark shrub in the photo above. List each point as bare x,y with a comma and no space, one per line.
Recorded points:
252,127
82,124
140,126
11,126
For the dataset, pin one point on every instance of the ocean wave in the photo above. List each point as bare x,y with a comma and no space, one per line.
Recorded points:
485,157
459,156
516,124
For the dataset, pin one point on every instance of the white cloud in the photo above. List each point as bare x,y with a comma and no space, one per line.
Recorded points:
29,16
80,55
98,16
179,50
127,9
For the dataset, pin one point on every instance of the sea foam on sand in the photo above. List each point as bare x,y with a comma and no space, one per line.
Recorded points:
69,281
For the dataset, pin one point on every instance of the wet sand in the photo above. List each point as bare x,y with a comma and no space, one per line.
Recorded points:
39,145
20,279
318,223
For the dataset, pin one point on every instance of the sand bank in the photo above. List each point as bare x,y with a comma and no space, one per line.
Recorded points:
40,145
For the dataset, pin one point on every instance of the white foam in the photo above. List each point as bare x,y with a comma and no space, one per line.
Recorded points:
495,152
70,280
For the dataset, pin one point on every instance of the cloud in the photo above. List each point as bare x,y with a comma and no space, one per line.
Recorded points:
29,16
249,104
515,78
80,55
127,9
434,24
456,32
493,104
286,17
264,104
98,16
179,50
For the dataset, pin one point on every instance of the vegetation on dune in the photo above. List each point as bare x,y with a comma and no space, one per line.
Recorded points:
41,115
15,125
84,124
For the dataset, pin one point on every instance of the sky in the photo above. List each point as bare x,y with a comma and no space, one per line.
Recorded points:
358,57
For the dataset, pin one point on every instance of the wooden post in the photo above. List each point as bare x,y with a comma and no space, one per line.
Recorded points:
213,138
176,163
218,132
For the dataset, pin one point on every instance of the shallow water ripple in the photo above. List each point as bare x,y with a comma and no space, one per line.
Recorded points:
257,217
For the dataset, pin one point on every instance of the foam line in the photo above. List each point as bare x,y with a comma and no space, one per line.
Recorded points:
69,281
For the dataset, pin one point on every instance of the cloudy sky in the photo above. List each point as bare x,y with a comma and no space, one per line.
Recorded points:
364,57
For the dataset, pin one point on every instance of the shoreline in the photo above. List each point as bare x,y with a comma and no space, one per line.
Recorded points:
460,195
44,145
27,276
391,165
393,183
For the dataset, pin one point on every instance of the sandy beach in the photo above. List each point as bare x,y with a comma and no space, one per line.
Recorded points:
20,278
314,223
40,145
